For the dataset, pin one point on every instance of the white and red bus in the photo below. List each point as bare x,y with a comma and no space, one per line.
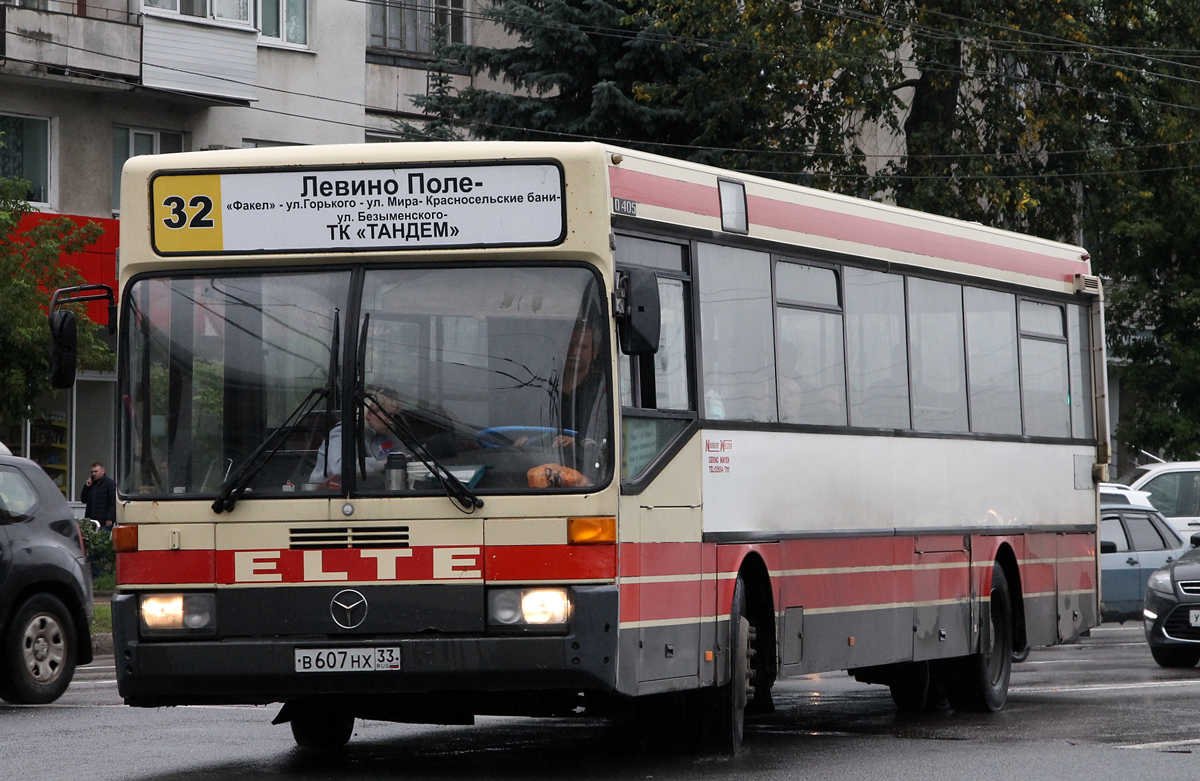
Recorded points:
622,430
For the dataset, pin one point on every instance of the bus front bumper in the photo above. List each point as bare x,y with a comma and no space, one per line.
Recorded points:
261,670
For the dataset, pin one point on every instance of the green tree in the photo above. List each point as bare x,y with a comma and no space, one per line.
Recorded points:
1069,119
572,72
29,271
1002,111
1144,232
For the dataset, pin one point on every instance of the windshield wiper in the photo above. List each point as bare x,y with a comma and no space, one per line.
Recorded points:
237,480
464,498
235,484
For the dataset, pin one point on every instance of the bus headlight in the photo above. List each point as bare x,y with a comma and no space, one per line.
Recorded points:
517,607
172,614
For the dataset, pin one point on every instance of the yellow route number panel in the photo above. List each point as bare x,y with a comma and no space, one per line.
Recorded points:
187,214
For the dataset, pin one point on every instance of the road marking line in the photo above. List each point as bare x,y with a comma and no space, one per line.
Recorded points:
1103,687
1162,744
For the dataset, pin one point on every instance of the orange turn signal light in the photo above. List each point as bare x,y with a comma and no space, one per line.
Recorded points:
592,531
125,538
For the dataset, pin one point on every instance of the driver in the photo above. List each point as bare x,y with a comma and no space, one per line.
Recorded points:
376,434
584,418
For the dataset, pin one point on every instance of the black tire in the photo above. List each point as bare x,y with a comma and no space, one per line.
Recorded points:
727,704
1022,655
316,730
910,688
38,654
979,682
1175,657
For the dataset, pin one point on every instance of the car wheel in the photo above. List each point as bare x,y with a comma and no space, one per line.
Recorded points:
39,652
979,682
1176,657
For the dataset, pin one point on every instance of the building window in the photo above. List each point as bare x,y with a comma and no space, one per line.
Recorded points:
25,153
285,21
131,141
415,26
226,10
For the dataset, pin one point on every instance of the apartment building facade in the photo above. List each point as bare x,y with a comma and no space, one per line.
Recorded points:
86,84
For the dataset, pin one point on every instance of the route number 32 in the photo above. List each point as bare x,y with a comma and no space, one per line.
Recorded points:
179,216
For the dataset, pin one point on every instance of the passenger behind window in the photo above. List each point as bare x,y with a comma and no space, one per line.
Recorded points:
378,438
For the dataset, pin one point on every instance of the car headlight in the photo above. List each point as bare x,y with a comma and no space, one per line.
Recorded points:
529,607
178,614
1160,580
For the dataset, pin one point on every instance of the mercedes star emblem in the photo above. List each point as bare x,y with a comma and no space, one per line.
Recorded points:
348,608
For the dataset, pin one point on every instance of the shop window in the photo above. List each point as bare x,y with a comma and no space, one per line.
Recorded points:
25,153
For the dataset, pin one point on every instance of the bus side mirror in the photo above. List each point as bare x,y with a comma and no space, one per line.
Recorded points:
639,314
63,343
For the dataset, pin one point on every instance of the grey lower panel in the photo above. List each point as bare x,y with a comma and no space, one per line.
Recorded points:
1041,620
942,631
860,638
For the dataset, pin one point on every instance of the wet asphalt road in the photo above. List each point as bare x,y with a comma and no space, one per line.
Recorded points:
1098,710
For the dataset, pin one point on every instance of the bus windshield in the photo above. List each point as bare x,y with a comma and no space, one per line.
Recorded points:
500,374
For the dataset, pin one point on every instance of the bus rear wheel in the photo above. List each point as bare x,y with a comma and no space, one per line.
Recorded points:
315,730
979,682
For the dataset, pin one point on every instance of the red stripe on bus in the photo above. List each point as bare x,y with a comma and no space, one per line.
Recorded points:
660,558
770,212
166,566
661,191
550,562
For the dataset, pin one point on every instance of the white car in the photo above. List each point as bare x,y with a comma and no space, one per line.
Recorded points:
1174,489
1115,493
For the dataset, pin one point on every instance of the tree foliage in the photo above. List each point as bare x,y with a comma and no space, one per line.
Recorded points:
1069,119
1145,235
29,271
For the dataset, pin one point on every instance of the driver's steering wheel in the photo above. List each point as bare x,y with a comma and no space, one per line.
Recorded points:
508,436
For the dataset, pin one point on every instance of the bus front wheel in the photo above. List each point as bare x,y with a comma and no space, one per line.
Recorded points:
315,730
727,704
979,682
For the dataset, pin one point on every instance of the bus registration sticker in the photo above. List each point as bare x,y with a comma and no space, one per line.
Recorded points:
347,660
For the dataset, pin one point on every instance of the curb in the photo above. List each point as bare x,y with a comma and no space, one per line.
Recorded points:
102,644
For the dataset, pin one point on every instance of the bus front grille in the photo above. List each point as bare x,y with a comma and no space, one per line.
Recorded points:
328,537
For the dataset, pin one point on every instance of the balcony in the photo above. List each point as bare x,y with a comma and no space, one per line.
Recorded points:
115,41
72,38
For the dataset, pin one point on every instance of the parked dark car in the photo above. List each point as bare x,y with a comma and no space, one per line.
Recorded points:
1171,614
1134,542
45,587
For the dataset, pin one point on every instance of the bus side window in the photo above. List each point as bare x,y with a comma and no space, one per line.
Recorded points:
659,381
656,390
876,349
737,329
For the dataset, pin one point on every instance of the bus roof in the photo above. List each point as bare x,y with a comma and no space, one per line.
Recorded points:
675,193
